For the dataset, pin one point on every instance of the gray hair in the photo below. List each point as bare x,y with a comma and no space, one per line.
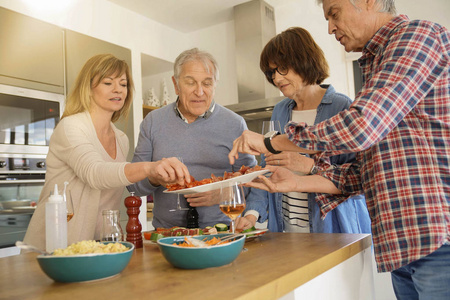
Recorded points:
386,6
195,54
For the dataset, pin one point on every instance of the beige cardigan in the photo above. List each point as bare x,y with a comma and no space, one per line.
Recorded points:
75,156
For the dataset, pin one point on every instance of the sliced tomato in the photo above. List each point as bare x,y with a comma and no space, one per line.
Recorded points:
147,234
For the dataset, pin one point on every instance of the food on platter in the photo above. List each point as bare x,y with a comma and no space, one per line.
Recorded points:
177,231
89,247
227,175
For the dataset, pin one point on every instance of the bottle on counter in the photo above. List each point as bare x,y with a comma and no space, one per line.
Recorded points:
55,222
192,217
111,230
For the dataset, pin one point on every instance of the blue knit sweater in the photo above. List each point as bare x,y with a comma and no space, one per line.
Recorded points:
203,145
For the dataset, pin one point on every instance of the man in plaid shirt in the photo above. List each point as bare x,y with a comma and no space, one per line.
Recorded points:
399,126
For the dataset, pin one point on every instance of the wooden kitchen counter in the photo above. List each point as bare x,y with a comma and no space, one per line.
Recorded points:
274,265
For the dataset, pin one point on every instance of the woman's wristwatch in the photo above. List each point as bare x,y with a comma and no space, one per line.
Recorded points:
267,141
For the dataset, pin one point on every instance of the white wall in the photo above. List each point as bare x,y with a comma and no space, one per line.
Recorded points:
309,15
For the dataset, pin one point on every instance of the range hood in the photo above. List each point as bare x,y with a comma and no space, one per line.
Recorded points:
254,23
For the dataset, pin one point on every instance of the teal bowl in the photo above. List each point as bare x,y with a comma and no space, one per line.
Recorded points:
200,258
85,267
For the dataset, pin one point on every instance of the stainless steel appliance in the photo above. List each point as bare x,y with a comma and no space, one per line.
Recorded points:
27,120
254,23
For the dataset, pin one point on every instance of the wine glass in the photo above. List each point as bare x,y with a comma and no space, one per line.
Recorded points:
178,196
232,202
67,196
69,205
268,126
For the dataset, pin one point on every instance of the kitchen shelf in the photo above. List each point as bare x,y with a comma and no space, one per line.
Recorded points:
147,108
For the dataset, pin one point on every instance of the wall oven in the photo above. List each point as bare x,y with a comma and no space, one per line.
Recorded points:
27,120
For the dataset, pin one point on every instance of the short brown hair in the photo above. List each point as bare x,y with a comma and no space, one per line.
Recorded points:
296,50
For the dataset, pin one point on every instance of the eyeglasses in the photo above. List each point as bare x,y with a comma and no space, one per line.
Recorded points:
271,73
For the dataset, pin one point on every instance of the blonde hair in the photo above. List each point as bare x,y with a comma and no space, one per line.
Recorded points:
97,68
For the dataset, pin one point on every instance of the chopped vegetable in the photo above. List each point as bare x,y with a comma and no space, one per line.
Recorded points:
211,242
249,229
221,227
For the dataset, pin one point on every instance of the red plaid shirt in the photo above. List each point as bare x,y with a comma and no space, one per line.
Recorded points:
399,125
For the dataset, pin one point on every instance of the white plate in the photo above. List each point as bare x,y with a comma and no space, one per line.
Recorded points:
217,185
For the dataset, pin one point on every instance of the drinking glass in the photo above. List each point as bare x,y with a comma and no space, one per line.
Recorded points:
67,196
111,229
232,202
268,126
69,205
178,196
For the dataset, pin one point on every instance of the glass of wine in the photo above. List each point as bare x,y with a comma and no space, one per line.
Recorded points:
69,205
178,196
268,126
67,196
232,202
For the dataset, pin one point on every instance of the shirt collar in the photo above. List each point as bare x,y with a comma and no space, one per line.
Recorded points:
327,98
205,115
376,44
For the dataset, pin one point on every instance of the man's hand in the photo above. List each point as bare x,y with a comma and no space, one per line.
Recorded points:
204,199
293,161
249,142
282,180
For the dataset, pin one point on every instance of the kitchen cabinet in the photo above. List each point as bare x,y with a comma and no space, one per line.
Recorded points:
81,47
32,53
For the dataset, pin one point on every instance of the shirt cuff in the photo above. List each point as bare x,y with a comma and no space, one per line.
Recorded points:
253,213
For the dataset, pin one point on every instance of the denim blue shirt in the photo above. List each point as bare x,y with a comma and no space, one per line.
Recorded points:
350,216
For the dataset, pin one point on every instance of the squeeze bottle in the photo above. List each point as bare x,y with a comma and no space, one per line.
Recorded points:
55,222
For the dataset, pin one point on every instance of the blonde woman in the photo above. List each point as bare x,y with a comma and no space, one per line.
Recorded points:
89,152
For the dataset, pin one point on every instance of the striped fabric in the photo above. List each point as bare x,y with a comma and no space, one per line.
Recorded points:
295,212
399,125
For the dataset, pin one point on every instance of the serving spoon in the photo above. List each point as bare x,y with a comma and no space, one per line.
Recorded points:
26,246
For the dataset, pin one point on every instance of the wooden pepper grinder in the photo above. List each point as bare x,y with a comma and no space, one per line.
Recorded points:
134,227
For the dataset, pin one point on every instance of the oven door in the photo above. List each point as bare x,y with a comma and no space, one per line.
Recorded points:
18,198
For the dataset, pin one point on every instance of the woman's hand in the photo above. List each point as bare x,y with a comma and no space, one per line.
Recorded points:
293,161
244,223
203,199
168,171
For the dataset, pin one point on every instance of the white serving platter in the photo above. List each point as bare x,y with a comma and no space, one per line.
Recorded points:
219,184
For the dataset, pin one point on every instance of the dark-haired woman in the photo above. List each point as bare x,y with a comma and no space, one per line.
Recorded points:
296,65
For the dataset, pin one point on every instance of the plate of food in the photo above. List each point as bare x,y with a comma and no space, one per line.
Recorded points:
244,175
253,233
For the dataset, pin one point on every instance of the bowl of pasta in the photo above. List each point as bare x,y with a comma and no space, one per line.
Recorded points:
86,261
